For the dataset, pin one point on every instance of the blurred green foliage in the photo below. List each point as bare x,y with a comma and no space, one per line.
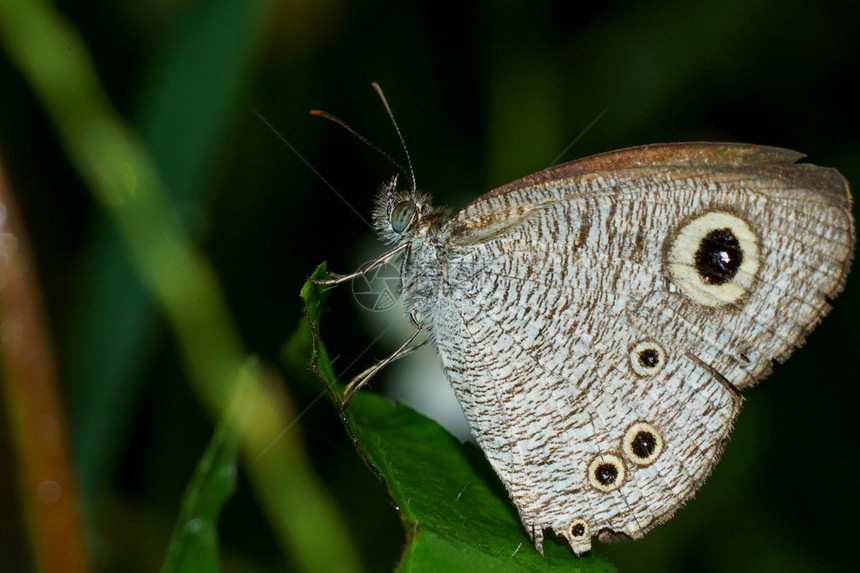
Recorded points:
194,543
484,93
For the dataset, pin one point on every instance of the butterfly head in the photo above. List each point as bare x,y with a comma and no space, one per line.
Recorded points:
401,215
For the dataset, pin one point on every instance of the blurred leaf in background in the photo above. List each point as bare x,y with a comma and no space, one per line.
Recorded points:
484,94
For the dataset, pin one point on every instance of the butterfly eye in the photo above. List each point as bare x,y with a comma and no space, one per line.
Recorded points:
642,443
606,472
647,358
714,258
578,530
402,216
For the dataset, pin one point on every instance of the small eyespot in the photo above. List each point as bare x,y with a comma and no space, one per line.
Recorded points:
402,216
642,443
647,358
578,530
714,258
606,472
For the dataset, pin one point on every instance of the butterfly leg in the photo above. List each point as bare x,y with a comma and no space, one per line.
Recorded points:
378,262
361,379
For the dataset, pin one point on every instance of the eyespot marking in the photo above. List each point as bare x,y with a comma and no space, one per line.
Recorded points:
647,358
606,472
578,530
642,443
713,258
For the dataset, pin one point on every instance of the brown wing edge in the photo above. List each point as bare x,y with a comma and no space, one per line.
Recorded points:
829,182
840,190
775,162
668,154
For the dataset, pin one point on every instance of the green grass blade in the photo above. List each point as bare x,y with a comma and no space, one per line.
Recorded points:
184,109
115,166
194,544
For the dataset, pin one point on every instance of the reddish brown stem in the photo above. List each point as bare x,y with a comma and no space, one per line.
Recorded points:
48,493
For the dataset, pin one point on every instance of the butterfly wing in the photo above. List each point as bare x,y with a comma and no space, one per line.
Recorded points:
598,320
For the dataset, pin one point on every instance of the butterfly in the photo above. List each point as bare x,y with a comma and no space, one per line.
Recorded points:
598,320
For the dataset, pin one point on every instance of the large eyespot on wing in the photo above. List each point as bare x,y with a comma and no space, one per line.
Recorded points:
750,269
714,258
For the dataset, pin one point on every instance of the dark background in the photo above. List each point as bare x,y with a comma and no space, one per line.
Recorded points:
484,94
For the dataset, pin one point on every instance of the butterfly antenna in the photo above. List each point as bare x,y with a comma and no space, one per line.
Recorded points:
361,138
411,173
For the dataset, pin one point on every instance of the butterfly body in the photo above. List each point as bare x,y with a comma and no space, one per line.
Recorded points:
598,320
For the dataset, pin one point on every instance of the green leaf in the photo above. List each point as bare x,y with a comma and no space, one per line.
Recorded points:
194,543
455,511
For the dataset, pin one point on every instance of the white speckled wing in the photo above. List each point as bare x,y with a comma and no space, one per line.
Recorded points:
597,320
